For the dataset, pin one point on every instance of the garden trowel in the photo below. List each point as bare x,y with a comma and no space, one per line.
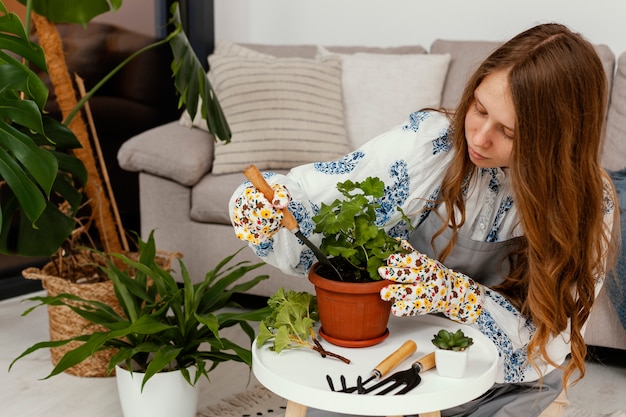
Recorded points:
290,222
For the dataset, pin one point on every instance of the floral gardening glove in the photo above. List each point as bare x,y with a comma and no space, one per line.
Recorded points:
255,218
423,285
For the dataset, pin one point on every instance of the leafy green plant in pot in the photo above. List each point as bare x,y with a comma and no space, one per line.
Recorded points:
451,354
164,327
351,311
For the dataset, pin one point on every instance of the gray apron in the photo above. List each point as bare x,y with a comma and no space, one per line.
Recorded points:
488,263
485,262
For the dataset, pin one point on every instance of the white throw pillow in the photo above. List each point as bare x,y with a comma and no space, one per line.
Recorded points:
381,90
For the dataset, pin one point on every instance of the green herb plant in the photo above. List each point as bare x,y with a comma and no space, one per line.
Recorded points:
164,326
350,236
290,323
456,341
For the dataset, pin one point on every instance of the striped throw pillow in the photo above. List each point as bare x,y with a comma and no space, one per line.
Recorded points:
282,112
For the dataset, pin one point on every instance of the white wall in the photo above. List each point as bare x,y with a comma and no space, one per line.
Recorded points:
398,22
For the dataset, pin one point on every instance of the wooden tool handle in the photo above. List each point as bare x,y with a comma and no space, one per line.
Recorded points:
426,362
256,178
393,360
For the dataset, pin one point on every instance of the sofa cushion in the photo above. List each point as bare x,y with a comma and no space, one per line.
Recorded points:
282,112
381,90
182,155
613,150
467,55
306,51
310,51
608,62
210,196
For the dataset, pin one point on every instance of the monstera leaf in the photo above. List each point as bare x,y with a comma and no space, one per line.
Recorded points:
190,80
73,11
35,166
189,75
192,83
38,174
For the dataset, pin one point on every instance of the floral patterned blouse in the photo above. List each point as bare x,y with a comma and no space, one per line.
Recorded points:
412,159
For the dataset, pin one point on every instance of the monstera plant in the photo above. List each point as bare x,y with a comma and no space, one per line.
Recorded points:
47,166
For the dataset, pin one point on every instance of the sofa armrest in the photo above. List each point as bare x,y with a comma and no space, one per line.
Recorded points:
171,151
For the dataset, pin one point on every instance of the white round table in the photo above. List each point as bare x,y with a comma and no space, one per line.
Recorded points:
299,375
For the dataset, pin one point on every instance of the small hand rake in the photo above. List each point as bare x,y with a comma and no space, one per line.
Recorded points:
408,379
390,362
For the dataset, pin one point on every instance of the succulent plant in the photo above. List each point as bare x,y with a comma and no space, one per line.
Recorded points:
452,341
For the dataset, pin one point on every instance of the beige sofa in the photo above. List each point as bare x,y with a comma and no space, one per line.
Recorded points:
184,200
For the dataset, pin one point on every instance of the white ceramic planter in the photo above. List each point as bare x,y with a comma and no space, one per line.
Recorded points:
451,363
166,394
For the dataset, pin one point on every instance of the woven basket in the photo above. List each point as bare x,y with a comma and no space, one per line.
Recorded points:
65,324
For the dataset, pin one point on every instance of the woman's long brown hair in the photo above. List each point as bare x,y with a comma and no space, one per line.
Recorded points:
559,92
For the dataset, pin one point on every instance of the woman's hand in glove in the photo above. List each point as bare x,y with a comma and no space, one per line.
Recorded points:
255,218
423,285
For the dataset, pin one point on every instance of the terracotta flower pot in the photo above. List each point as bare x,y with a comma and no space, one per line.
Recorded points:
352,314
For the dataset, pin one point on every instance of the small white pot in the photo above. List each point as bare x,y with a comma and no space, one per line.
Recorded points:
451,363
166,394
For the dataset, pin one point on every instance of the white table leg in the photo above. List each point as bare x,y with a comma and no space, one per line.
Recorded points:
295,409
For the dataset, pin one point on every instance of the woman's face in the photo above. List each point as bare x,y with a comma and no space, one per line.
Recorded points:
490,122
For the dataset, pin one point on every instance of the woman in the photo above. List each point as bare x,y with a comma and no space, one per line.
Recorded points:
507,197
